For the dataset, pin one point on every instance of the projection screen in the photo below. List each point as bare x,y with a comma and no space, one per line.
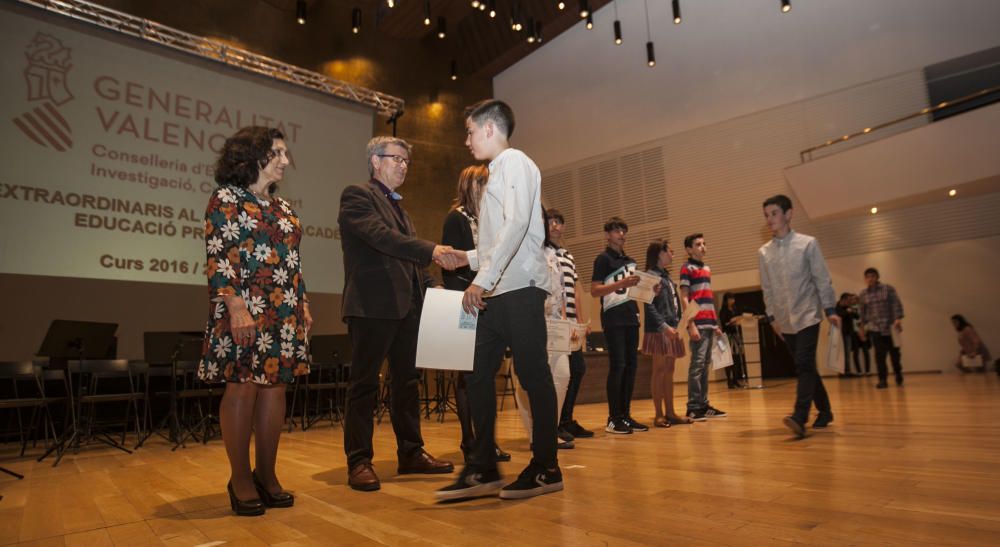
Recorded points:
109,145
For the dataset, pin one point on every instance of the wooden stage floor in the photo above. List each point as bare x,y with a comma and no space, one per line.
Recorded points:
910,466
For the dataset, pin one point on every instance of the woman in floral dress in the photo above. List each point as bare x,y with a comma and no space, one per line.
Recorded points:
258,319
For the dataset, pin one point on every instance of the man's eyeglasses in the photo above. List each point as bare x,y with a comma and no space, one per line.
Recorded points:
397,159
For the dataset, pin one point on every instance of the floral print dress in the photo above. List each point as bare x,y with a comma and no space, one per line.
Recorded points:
253,251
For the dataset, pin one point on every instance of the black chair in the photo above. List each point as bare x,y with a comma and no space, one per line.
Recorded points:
80,340
160,388
22,390
326,384
163,350
105,382
507,373
197,404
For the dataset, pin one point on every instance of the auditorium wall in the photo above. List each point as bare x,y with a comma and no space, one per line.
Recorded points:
739,89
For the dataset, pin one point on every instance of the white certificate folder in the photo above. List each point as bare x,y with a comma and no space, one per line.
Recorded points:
447,338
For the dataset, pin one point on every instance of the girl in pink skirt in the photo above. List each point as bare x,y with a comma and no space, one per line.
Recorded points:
660,337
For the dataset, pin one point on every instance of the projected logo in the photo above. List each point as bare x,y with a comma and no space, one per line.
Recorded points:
45,76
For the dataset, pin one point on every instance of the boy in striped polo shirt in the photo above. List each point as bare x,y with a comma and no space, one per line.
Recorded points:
568,427
696,290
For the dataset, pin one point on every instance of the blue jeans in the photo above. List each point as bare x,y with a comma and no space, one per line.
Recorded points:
701,358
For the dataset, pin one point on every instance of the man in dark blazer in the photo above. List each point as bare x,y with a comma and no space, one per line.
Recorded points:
385,278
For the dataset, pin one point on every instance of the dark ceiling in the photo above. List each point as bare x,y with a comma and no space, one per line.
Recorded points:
481,46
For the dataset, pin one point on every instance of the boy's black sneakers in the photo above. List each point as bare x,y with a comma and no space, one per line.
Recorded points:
636,426
617,426
697,415
535,480
712,412
471,484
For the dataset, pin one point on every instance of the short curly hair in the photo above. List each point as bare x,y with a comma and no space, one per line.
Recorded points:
244,155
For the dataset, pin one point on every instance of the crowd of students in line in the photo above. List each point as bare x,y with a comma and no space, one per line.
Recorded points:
504,251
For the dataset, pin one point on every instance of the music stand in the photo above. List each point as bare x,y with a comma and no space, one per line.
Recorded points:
162,348
81,340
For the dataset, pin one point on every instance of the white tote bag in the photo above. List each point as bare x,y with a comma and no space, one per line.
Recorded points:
722,353
835,350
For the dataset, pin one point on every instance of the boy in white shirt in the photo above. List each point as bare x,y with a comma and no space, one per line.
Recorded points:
508,293
798,293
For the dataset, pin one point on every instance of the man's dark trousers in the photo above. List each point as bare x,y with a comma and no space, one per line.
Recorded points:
373,340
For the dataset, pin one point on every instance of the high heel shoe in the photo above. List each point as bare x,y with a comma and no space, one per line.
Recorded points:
249,508
281,499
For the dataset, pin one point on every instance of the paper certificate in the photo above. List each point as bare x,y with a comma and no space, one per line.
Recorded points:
447,337
643,292
620,296
560,332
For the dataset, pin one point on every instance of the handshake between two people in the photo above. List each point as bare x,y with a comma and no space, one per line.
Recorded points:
449,258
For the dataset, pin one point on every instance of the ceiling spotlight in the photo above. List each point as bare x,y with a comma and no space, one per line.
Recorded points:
392,3
786,6
677,11
515,18
590,21
493,8
476,3
441,27
356,20
300,12
618,33
650,52
874,210
482,7
561,5
584,9
454,70
531,30
427,13
952,193
538,32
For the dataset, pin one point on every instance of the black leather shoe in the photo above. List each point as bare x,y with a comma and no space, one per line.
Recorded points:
281,499
249,508
501,455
